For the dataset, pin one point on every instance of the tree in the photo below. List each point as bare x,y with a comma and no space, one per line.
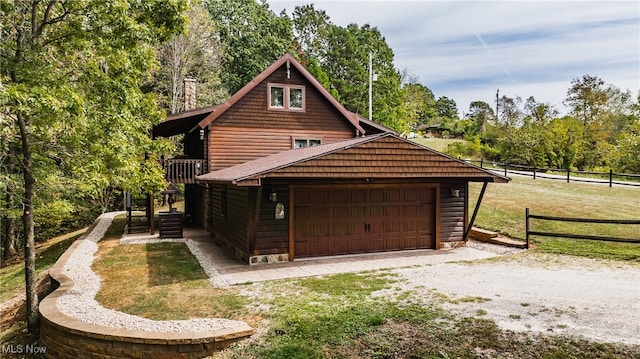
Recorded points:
539,112
419,105
252,38
510,113
194,53
587,98
480,113
311,29
72,73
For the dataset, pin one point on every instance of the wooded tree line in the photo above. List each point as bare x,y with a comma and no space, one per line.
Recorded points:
83,81
601,131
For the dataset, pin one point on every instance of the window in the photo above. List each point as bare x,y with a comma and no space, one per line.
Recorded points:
276,97
286,97
299,143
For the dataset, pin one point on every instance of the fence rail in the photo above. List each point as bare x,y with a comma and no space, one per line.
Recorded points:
529,232
609,178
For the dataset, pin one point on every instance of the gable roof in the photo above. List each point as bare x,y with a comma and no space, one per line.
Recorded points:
287,58
382,155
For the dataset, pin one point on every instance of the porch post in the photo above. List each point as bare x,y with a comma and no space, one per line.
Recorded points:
475,211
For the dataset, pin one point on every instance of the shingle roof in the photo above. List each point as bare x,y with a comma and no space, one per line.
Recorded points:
382,155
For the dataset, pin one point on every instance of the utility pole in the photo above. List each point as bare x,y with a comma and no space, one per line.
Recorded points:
497,101
370,86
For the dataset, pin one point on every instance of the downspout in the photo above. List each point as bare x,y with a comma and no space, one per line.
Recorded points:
475,211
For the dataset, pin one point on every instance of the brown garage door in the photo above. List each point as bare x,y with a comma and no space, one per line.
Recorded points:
346,220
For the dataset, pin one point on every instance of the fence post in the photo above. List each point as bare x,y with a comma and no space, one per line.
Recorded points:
610,177
534,172
505,168
481,162
526,225
568,171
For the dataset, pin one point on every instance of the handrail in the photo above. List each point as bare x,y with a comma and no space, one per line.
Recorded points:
183,170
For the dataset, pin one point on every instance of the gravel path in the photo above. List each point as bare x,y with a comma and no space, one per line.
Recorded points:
598,300
79,302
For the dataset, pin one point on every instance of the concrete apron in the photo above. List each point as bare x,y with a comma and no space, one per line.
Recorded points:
233,271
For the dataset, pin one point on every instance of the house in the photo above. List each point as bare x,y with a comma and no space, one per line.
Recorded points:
283,171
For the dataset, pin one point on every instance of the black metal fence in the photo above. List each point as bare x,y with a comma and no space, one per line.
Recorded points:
610,178
529,232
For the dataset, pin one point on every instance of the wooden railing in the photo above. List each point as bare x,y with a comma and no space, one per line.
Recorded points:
183,170
610,178
529,232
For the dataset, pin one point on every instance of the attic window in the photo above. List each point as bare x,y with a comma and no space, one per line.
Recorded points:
286,97
299,143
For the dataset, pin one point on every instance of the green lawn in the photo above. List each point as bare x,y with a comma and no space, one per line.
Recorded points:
503,210
47,253
438,144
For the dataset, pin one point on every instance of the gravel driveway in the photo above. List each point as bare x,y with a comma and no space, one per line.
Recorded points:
597,299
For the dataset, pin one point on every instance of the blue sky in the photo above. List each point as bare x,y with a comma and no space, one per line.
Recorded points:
466,50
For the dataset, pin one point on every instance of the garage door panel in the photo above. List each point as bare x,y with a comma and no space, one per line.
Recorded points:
358,245
376,244
410,241
393,243
358,220
320,247
341,246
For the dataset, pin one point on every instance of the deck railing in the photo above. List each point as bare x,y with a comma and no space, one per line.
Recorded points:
183,170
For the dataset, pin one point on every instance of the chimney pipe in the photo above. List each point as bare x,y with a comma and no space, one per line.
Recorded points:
189,94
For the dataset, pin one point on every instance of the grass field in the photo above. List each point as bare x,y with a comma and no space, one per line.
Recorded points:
47,253
503,210
438,144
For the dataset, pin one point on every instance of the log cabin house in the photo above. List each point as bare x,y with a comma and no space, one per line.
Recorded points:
282,171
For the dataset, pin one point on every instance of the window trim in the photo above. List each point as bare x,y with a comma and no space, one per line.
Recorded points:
286,106
308,139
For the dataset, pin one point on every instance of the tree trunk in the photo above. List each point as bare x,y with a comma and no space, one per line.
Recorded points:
9,240
33,319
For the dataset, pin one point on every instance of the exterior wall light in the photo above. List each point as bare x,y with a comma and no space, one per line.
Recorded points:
273,196
455,192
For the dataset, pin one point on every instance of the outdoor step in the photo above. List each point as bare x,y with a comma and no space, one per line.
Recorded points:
482,234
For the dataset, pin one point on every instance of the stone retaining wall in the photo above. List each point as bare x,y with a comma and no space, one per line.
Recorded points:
63,337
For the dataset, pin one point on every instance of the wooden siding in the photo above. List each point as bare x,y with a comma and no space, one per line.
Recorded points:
230,146
249,130
272,235
252,109
383,158
231,227
453,214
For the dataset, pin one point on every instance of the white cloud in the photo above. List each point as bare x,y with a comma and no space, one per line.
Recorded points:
533,48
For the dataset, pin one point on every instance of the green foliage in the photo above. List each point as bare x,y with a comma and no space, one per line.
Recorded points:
252,37
78,120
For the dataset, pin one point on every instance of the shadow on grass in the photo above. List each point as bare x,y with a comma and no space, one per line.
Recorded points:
170,263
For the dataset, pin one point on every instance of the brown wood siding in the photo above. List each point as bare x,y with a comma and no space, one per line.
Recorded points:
252,109
452,212
230,146
272,235
386,157
249,130
233,225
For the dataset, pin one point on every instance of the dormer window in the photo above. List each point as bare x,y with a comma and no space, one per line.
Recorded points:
286,97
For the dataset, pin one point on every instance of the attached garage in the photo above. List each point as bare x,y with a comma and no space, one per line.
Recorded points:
334,220
368,194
